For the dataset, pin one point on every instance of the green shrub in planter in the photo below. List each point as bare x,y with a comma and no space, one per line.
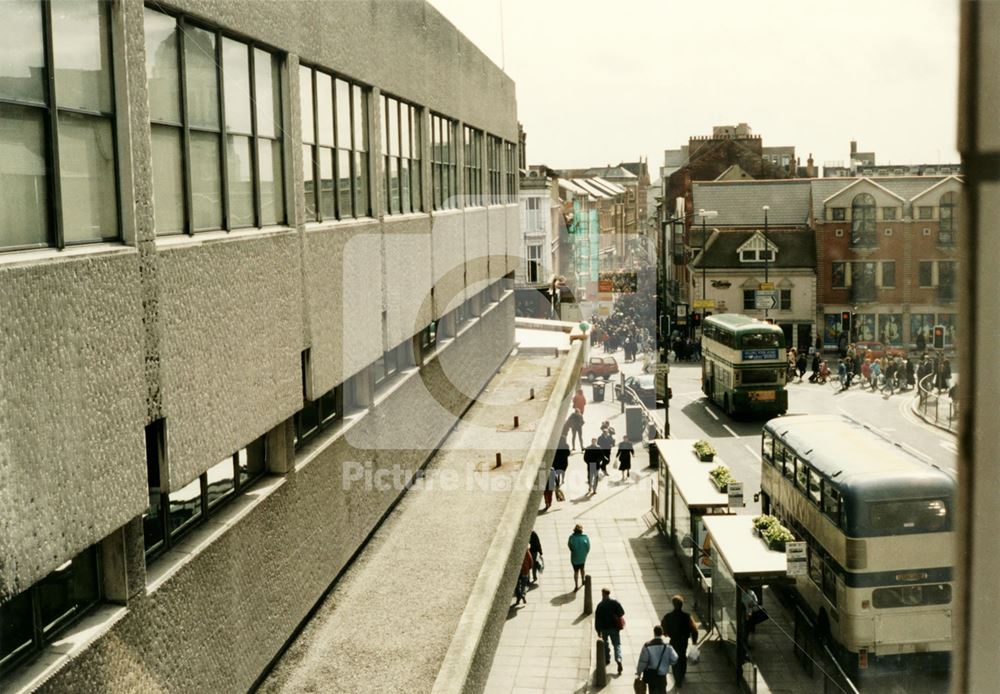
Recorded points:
721,477
704,450
776,536
763,521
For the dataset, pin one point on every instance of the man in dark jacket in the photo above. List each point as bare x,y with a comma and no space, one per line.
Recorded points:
606,441
608,621
535,547
560,461
593,456
678,625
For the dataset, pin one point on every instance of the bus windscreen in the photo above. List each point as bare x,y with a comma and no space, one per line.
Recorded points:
925,515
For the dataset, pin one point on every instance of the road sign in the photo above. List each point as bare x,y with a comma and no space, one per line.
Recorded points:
795,558
735,491
766,285
662,369
765,299
704,303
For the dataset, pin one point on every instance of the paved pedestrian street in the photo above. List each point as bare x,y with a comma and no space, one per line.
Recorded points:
548,645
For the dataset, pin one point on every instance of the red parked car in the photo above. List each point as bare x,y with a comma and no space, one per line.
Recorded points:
599,367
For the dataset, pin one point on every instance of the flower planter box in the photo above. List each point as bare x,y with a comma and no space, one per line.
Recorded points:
777,545
721,487
706,457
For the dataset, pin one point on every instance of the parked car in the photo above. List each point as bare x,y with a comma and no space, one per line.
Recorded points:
599,367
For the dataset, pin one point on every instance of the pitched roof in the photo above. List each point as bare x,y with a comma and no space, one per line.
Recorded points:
614,172
739,203
796,249
906,187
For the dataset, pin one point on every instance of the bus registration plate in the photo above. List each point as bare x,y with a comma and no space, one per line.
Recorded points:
762,395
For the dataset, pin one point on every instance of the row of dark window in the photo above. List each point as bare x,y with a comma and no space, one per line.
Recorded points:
864,212
36,617
215,112
863,276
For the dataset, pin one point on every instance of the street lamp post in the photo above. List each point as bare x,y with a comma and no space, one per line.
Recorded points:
767,251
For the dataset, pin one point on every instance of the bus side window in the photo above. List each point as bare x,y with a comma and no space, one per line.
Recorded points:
801,476
829,583
814,487
815,567
831,502
767,447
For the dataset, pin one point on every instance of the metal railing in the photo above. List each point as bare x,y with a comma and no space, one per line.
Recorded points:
816,657
931,407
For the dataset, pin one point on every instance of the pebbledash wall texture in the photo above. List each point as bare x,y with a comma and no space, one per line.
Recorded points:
162,355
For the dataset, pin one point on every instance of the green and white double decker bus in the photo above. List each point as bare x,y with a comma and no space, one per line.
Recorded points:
743,364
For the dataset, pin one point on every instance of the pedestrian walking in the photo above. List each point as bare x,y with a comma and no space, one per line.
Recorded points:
942,378
679,626
609,620
579,401
800,365
606,441
575,424
815,367
550,488
593,456
625,452
521,591
560,463
655,659
579,548
535,547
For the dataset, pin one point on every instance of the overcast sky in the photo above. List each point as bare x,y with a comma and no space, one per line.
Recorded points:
602,82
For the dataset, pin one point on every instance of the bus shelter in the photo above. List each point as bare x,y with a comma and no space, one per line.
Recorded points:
683,496
742,565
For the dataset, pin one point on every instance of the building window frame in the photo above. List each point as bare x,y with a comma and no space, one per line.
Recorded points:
841,275
494,164
838,214
889,213
863,231
925,212
402,136
946,221
925,274
224,131
41,630
472,139
785,299
444,163
337,157
510,172
888,269
52,231
749,300
249,464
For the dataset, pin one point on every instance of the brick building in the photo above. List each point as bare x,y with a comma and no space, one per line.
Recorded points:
886,253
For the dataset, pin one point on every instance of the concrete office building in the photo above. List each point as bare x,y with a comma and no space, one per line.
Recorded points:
241,244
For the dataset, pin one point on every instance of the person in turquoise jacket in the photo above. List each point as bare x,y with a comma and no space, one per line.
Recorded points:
579,548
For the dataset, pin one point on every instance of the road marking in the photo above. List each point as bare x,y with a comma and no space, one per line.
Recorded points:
726,427
917,453
949,446
714,416
754,453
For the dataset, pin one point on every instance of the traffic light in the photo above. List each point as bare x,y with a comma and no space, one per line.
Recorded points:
938,337
845,322
696,320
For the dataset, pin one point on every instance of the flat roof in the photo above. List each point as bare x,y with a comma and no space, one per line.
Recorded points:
690,475
746,555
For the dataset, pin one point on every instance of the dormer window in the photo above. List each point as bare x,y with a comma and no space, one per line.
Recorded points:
755,250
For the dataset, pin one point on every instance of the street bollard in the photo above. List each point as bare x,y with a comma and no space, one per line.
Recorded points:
548,370
498,460
532,394
601,671
517,421
588,598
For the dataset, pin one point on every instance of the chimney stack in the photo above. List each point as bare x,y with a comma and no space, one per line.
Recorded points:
810,168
